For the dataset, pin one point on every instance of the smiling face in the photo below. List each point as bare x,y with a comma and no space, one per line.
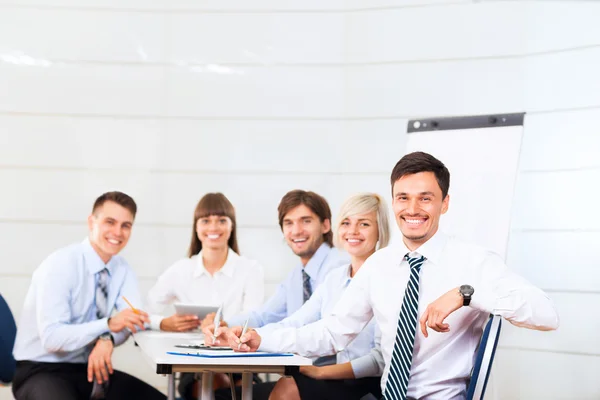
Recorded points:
214,231
359,234
303,231
110,228
418,206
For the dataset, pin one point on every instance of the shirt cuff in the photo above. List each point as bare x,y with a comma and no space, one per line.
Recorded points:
483,301
155,321
266,342
364,367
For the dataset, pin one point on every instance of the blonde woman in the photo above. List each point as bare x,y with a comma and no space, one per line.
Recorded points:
363,228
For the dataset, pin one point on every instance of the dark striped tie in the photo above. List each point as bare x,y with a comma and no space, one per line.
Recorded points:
397,382
102,294
306,286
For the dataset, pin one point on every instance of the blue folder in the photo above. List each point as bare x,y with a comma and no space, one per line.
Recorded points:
236,355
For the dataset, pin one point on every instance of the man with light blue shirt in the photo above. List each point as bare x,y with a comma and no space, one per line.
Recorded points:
305,220
66,333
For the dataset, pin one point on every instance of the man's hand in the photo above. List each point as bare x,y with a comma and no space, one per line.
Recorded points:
249,342
210,320
436,312
179,323
99,364
128,318
311,371
210,339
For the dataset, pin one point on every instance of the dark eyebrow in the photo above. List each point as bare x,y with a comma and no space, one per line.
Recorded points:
420,194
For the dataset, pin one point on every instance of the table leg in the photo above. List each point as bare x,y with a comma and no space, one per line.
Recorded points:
247,386
171,387
207,392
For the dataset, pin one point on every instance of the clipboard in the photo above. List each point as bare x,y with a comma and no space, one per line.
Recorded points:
229,355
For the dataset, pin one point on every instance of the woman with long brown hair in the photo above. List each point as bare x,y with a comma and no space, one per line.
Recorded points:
214,273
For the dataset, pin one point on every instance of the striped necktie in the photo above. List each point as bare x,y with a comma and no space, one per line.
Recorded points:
99,390
397,382
306,286
102,294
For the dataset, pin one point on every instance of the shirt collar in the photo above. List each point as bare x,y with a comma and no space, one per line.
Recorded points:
431,249
346,278
227,269
93,262
314,264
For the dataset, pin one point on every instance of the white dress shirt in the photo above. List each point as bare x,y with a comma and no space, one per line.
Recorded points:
360,352
442,362
58,322
238,286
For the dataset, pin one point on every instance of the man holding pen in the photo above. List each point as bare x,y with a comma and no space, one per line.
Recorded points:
66,334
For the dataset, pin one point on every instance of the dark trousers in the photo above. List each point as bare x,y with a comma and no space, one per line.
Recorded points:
333,389
66,381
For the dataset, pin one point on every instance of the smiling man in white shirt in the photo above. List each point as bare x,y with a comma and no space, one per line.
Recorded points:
430,295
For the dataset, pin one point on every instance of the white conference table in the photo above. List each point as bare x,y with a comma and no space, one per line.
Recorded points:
155,345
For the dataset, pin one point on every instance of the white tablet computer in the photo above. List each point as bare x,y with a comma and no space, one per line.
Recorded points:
194,309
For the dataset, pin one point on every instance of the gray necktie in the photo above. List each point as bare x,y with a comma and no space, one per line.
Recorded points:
99,390
102,294
306,286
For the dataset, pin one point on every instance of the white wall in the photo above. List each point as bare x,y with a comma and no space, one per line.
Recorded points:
167,100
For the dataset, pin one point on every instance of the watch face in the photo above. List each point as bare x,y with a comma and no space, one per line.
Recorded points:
467,290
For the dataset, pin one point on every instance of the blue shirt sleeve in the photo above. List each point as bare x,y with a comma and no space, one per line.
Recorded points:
53,311
275,309
309,312
371,364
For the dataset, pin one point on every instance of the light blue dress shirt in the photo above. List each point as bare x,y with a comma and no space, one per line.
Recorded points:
289,296
361,352
58,321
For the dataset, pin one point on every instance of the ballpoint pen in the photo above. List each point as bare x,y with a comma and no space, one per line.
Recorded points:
244,329
217,321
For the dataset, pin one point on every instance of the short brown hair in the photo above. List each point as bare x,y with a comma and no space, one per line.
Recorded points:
214,204
120,198
313,201
416,162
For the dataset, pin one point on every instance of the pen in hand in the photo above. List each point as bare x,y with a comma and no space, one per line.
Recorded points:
244,329
217,321
135,310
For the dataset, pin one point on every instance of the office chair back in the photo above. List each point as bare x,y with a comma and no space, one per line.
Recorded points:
484,358
8,332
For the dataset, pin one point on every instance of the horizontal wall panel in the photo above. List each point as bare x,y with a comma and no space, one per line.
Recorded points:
443,88
575,322
413,34
521,374
561,140
14,289
161,198
242,91
202,145
533,210
266,38
81,35
553,25
187,5
75,142
375,4
562,80
548,259
39,86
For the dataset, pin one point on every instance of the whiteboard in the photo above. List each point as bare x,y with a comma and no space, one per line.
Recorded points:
482,154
